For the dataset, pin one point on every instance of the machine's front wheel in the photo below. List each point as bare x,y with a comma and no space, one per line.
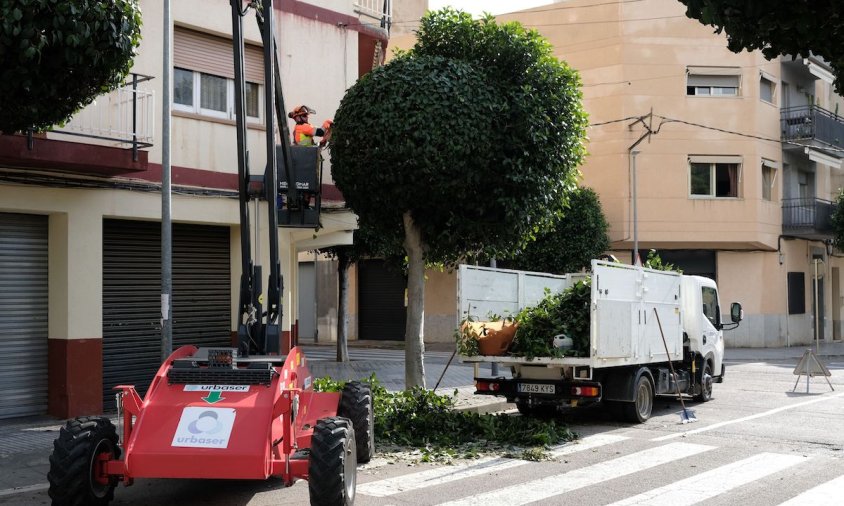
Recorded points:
332,469
76,476
356,405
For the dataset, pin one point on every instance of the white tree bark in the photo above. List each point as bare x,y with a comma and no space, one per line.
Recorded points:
415,328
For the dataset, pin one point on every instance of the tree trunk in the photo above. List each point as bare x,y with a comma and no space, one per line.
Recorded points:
343,264
414,351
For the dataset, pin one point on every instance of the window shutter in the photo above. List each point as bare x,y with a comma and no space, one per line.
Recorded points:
202,52
708,80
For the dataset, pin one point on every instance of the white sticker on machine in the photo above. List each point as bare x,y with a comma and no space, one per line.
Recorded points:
201,427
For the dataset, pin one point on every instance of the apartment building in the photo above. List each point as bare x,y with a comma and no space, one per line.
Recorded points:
739,174
80,207
737,163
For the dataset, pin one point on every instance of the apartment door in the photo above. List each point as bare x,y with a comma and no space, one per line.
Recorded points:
307,300
836,303
381,311
23,314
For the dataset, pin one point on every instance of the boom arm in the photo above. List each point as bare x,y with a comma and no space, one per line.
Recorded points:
254,335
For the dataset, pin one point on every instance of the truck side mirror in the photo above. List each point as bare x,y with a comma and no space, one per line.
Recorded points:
736,313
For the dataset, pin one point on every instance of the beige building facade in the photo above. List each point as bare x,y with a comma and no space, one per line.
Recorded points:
80,208
738,162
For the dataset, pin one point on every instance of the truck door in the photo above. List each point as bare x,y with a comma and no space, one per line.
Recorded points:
711,338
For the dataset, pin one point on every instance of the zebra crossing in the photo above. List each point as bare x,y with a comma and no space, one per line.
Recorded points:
709,473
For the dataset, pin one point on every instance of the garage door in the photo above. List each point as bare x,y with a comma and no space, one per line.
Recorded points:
132,297
381,311
23,314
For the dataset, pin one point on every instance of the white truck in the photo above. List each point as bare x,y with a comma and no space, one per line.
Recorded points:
627,363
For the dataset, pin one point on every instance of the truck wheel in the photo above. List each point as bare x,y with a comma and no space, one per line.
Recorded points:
705,393
73,476
640,409
332,468
356,405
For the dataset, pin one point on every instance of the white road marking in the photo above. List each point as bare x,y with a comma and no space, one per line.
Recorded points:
715,482
746,418
446,474
828,494
24,490
538,490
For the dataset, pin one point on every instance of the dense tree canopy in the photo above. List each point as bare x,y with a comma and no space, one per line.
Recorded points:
778,27
578,237
467,144
57,56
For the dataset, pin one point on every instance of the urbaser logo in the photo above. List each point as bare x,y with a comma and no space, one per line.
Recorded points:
201,427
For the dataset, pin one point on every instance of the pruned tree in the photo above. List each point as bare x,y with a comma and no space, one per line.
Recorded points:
578,237
58,56
468,144
778,27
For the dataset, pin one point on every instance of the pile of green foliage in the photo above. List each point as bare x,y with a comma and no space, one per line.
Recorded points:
421,419
564,313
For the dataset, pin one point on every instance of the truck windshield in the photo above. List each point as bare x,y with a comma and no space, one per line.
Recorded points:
710,302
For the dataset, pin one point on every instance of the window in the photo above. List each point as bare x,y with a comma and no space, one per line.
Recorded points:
766,89
203,75
714,179
713,81
710,304
803,185
769,176
216,95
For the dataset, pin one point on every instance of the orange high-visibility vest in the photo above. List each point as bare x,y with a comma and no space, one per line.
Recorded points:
303,134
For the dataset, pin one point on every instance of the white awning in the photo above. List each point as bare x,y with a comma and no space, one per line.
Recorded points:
713,71
714,159
770,163
819,157
819,71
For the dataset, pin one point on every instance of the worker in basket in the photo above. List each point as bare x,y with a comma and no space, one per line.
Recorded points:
304,132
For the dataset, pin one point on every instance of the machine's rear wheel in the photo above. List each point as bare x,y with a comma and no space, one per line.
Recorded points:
75,476
356,405
332,469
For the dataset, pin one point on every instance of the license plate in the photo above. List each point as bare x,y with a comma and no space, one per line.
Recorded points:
536,388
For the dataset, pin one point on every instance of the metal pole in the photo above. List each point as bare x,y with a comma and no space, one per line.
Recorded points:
633,154
134,117
817,316
493,366
166,224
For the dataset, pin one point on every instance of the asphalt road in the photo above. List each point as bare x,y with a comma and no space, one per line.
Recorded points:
755,443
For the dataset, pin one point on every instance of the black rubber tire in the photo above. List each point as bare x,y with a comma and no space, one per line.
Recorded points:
705,380
332,466
640,409
71,463
356,404
538,410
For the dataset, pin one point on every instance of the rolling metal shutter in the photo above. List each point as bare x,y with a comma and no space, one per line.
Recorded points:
132,297
213,55
381,311
23,314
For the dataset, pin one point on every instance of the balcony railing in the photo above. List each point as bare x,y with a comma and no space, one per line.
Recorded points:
382,10
125,117
812,123
807,217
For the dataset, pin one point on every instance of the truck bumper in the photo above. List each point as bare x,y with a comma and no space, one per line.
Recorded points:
585,392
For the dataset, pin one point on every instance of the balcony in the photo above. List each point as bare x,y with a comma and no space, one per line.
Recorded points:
105,138
813,125
807,218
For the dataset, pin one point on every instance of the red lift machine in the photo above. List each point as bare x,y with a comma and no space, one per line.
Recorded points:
232,413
